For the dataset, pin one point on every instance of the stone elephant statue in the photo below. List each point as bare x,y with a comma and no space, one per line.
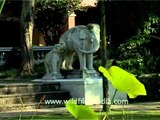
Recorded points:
53,60
84,40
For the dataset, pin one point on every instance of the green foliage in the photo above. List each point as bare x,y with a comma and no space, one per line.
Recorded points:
39,70
2,5
8,73
132,54
51,16
150,26
137,55
115,73
81,112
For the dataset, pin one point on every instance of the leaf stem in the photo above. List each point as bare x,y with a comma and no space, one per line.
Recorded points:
112,100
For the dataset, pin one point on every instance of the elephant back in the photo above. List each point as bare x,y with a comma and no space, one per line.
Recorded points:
74,36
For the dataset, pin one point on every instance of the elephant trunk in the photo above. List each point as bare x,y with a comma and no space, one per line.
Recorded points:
95,39
95,48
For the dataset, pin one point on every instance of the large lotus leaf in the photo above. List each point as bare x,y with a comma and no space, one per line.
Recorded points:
124,81
81,112
72,108
105,73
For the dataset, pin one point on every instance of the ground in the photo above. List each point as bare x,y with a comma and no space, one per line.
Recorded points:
132,111
136,111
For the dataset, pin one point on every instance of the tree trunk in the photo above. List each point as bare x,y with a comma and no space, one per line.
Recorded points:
27,24
104,52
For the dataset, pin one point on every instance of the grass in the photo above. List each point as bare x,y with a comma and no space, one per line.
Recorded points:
11,75
113,115
8,73
135,115
45,117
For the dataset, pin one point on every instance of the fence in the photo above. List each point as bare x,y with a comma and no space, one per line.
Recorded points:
39,53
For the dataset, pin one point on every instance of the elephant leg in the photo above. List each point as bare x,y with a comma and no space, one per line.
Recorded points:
70,61
64,64
89,62
46,67
50,68
67,64
54,75
82,60
65,61
58,69
54,67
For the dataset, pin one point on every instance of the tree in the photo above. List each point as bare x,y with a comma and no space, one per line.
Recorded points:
103,50
27,24
140,53
51,16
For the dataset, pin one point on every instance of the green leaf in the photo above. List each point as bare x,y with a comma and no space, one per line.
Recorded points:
72,109
84,112
105,73
81,112
2,5
124,81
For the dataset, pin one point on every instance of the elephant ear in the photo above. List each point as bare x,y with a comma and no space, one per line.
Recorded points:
82,34
90,26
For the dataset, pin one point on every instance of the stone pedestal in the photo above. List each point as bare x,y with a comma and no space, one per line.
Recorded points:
87,90
93,90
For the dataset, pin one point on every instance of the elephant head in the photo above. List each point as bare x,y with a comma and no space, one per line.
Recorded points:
59,48
94,37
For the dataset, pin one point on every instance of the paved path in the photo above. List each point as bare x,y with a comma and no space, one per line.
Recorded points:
148,106
139,106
